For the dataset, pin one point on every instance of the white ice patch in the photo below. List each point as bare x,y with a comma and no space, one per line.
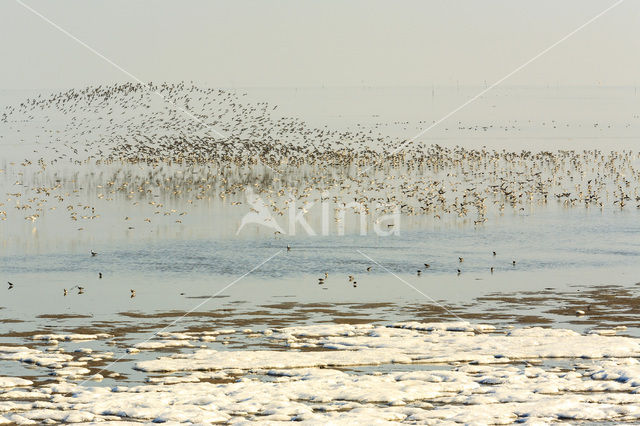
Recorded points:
160,344
209,359
70,337
14,382
34,356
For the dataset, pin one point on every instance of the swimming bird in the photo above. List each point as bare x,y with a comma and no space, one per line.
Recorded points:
80,289
93,253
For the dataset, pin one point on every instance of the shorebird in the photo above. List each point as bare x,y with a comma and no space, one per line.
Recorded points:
10,285
133,293
64,292
80,289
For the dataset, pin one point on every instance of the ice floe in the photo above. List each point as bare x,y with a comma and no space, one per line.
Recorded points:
70,337
14,382
405,372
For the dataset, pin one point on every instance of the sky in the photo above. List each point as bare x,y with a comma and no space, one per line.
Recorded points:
300,43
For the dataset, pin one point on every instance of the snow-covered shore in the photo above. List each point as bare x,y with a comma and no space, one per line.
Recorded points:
404,372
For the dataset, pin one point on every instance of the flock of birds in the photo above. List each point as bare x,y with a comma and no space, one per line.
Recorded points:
158,158
78,287
321,281
167,153
352,279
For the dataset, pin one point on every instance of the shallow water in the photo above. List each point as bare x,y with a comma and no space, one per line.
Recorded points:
565,261
199,275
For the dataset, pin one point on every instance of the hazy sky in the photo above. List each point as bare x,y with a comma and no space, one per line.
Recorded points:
314,43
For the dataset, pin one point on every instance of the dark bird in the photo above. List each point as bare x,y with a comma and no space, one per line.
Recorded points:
10,285
93,253
80,289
